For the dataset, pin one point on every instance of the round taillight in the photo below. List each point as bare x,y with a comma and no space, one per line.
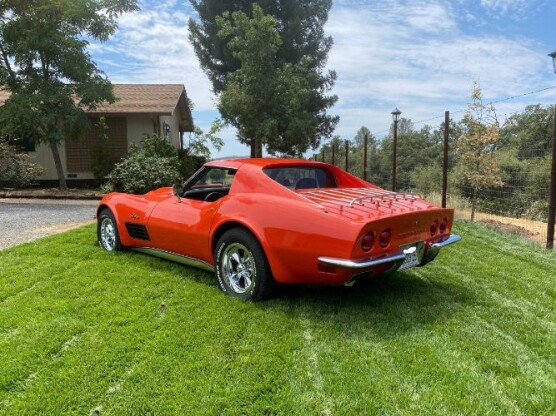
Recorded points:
384,238
367,241
443,225
434,228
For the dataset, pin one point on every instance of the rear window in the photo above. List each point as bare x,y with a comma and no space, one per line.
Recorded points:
302,177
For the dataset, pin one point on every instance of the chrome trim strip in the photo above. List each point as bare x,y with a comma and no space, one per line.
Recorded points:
392,258
179,258
454,238
362,263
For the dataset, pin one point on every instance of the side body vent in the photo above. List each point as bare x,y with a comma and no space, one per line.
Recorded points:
137,231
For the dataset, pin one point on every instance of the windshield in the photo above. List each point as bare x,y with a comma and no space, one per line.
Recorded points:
215,177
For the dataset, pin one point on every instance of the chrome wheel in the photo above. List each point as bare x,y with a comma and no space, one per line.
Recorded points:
242,270
108,234
238,268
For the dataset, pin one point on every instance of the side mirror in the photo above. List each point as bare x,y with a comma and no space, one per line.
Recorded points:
177,190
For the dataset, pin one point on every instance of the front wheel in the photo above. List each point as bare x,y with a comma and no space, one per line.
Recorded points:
107,231
242,270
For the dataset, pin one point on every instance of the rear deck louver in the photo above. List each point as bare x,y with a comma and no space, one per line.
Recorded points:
137,231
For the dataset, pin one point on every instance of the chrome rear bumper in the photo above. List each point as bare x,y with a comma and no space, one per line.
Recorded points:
454,238
369,262
363,263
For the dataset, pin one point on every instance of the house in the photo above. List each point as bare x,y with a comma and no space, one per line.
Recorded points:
140,109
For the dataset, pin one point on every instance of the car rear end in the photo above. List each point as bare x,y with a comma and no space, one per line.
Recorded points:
398,231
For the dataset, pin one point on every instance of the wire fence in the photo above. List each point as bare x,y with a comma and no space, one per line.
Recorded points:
518,204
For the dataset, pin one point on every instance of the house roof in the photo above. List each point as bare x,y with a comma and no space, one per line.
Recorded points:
143,99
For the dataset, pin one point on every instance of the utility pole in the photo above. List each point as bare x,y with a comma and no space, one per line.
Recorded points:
445,161
552,203
347,155
365,157
396,117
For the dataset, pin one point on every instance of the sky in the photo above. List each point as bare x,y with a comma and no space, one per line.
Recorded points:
421,56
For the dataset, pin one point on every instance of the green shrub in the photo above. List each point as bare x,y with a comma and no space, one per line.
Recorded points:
16,168
189,163
152,165
102,158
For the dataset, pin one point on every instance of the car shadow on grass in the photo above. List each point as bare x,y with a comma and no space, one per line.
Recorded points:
388,306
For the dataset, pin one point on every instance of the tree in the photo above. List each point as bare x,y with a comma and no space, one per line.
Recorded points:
530,131
477,167
46,67
339,147
298,53
357,152
195,154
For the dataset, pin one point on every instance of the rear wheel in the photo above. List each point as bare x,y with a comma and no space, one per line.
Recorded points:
107,231
242,270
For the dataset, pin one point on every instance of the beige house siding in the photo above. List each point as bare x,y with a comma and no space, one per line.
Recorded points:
80,153
141,109
138,125
74,159
43,156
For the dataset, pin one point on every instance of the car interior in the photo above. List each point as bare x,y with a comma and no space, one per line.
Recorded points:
210,185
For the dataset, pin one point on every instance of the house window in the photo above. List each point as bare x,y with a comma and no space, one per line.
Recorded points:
166,131
23,145
28,145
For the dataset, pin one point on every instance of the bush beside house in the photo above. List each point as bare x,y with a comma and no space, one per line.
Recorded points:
16,168
153,164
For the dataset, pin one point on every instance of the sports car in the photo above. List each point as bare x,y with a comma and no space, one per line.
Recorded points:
257,223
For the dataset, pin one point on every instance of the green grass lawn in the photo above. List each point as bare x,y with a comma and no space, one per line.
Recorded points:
85,332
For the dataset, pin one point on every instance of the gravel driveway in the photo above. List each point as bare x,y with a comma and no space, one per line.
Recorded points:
23,220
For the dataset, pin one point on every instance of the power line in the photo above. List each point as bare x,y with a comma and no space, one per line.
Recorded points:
513,97
522,95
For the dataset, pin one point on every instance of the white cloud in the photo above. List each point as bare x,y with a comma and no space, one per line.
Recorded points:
418,58
152,46
421,56
505,6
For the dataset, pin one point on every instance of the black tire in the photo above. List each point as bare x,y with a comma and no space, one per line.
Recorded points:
242,270
107,231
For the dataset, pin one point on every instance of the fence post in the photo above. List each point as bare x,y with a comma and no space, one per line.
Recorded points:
333,153
365,157
445,161
323,154
347,155
552,203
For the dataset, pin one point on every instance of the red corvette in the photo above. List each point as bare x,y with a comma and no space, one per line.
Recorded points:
258,222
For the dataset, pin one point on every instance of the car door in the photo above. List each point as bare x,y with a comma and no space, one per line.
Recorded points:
182,226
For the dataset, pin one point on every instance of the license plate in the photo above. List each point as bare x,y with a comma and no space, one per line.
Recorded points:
411,258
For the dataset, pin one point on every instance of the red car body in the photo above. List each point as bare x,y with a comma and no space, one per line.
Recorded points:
333,233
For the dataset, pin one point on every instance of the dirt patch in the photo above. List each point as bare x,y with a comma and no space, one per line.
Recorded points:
508,228
530,229
60,228
51,193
